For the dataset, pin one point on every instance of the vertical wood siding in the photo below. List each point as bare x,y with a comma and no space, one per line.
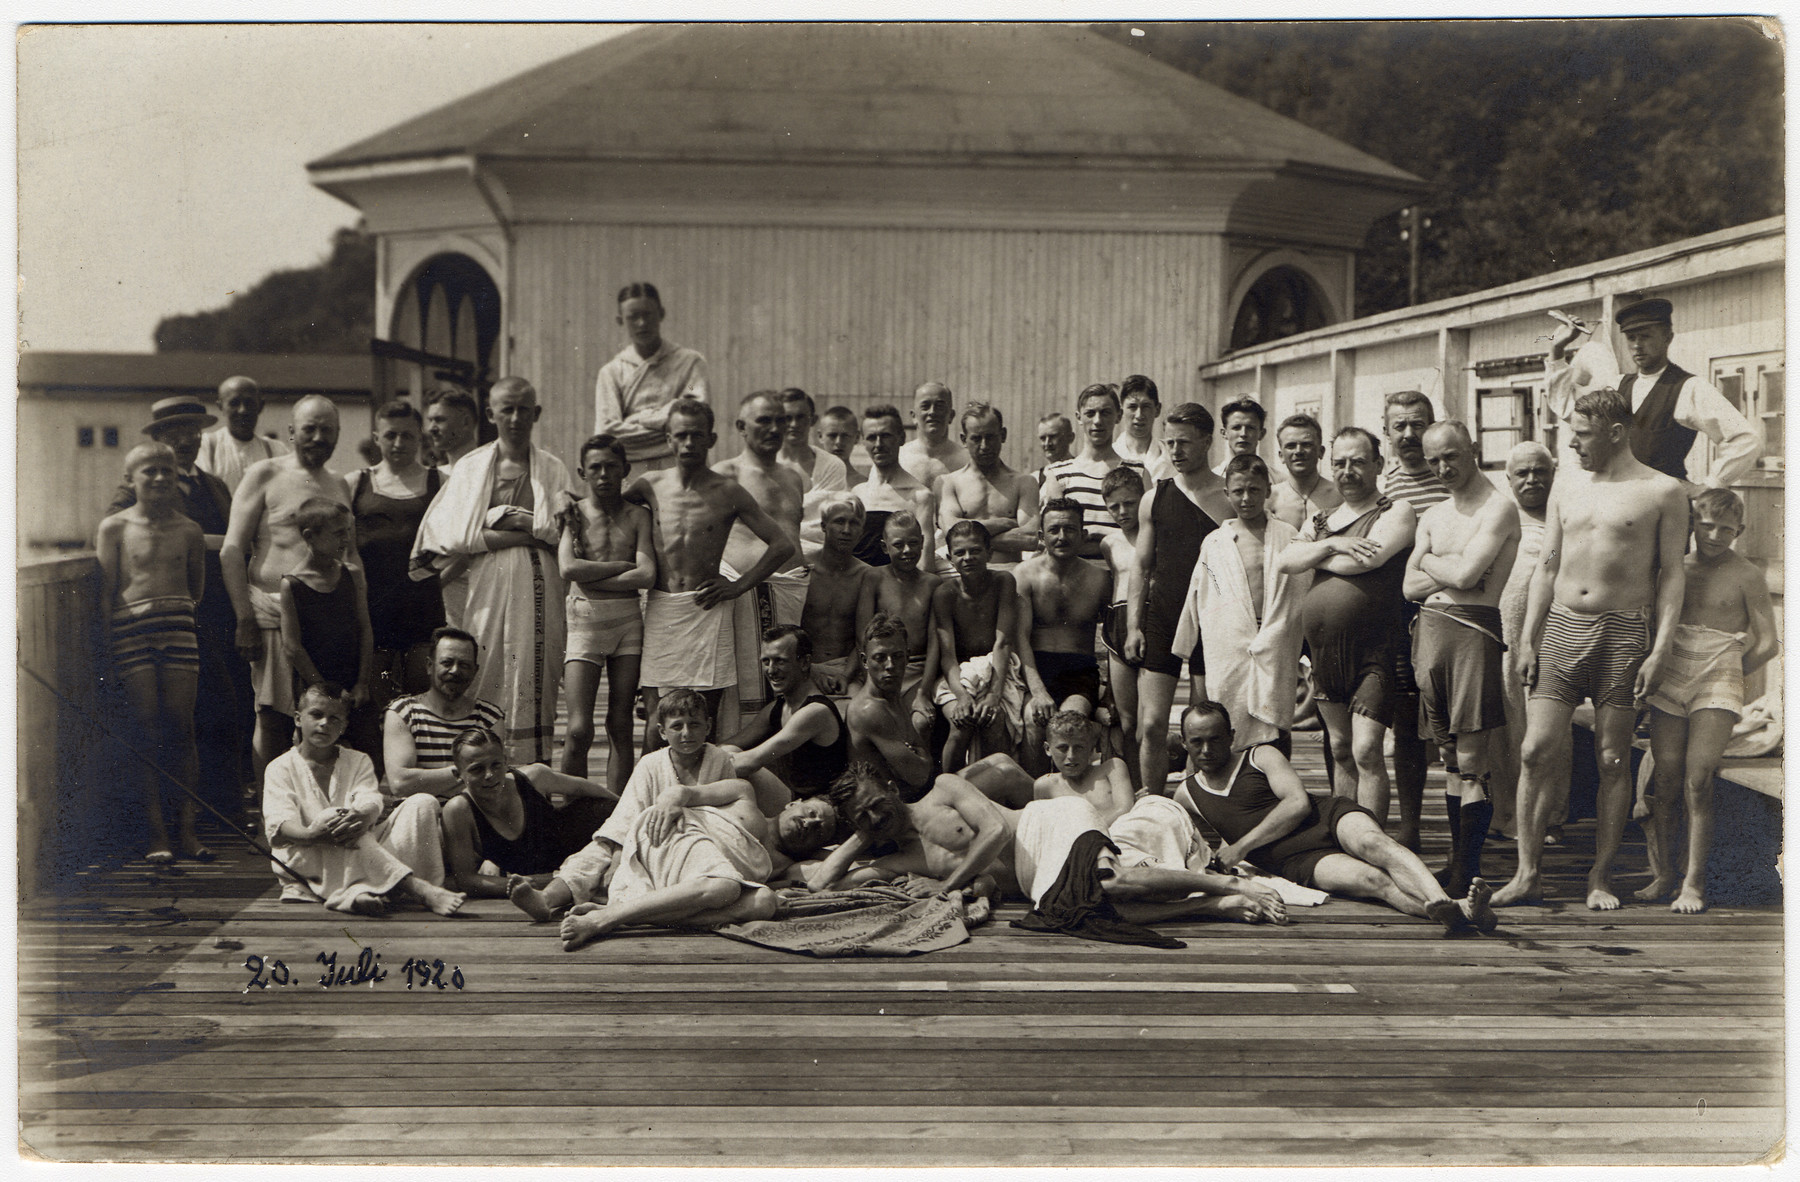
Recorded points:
1022,319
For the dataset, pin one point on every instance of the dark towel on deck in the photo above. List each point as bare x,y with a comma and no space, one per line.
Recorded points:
1076,906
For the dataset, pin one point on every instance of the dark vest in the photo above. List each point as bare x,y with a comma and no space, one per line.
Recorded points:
1656,438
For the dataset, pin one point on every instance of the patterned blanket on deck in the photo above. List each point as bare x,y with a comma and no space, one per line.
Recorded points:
865,921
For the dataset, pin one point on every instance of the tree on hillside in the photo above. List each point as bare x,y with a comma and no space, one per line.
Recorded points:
326,308
1550,143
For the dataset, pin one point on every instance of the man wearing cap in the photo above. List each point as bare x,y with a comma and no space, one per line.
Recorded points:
226,451
220,730
262,545
1671,406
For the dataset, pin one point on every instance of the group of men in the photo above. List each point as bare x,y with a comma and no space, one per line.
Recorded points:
928,642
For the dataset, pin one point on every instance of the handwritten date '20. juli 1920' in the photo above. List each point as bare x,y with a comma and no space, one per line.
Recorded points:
365,970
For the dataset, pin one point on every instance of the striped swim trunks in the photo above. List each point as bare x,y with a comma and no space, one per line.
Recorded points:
1592,655
155,633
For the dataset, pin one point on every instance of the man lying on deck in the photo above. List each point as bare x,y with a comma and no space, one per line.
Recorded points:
969,843
801,827
1255,802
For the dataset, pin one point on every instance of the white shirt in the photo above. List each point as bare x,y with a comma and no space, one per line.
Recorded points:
632,396
225,457
1700,407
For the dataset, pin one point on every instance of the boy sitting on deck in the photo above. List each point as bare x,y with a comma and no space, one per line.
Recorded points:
799,827
904,591
152,573
1727,632
321,815
981,693
503,815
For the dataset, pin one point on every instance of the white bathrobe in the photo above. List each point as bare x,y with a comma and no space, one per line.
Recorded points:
1252,670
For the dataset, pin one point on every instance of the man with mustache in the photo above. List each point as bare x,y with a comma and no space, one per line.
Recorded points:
262,544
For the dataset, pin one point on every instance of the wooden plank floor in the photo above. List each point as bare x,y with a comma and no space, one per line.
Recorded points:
1353,1036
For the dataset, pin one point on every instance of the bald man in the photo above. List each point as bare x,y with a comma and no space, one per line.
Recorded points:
933,454
228,450
762,425
499,512
262,545
1530,473
1462,554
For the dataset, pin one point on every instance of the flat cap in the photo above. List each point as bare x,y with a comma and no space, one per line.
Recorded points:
1653,311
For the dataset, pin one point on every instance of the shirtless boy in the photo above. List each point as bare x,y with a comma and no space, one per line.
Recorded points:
890,488
1612,549
962,839
933,455
841,596
986,490
1062,598
882,731
904,591
1069,740
605,553
262,544
152,573
1727,632
1123,492
1462,555
688,641
975,613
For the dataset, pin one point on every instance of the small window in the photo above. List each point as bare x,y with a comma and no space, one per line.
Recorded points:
1756,384
84,437
109,436
1503,420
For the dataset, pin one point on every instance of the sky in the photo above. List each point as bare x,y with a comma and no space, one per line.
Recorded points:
162,167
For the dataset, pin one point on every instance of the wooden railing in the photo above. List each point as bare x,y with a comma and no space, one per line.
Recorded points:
59,743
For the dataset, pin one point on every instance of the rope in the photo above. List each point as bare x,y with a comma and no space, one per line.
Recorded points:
230,825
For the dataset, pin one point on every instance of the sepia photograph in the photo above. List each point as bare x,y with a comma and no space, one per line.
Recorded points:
901,593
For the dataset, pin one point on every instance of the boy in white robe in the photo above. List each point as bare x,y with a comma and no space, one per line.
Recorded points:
1251,635
320,809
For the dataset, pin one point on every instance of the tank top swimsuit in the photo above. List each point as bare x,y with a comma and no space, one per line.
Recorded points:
1180,527
402,611
543,841
813,768
328,628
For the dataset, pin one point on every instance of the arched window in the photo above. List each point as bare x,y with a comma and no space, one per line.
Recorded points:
450,308
1284,301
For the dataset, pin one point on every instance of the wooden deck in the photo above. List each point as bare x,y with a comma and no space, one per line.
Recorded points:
1353,1036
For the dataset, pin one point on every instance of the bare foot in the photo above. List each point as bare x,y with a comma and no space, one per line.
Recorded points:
1689,902
368,904
1519,890
1252,909
1449,913
979,910
1477,908
1659,888
435,898
160,857
1601,899
581,927
529,899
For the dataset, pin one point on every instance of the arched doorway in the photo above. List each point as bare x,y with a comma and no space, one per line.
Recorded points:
1282,302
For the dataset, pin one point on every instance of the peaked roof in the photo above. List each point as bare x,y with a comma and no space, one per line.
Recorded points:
862,92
